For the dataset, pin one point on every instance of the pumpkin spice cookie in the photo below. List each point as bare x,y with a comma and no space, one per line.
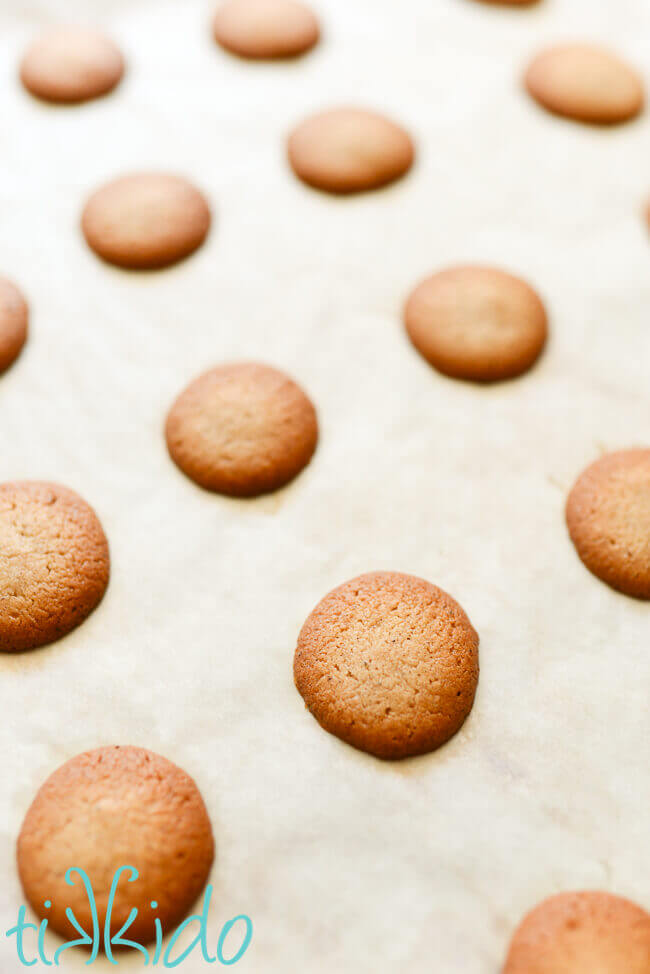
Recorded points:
54,563
608,517
388,663
348,150
14,315
71,64
145,221
585,83
582,933
476,323
109,808
242,429
265,29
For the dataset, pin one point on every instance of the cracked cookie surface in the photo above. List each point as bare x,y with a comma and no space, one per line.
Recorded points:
388,663
608,517
54,563
105,809
242,429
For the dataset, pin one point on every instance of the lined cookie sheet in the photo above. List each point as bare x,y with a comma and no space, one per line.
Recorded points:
343,863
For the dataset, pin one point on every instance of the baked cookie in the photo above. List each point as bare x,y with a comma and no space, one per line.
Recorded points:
146,220
585,83
242,429
608,516
71,64
14,315
388,663
54,563
476,323
265,28
348,150
108,808
582,933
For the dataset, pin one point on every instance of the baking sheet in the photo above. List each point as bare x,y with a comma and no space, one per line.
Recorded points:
343,863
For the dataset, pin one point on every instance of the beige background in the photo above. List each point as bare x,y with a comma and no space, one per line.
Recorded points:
344,863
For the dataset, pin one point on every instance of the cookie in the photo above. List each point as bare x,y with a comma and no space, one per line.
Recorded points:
582,933
348,150
146,220
608,517
265,28
585,83
14,315
476,323
242,429
54,563
108,808
71,64
388,663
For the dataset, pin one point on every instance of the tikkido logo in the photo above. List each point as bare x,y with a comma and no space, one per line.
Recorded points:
238,931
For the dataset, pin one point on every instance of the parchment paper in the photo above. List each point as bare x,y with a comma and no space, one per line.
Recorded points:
344,863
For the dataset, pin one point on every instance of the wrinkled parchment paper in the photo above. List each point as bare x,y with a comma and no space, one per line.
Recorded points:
344,863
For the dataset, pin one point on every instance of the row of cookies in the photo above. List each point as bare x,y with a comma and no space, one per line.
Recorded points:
590,917
102,800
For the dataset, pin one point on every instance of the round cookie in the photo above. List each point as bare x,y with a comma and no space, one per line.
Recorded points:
476,323
54,563
582,933
146,220
242,429
585,83
348,150
608,517
265,28
388,663
108,808
14,315
71,64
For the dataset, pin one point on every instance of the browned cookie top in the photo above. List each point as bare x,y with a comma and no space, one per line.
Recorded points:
476,323
585,83
54,563
265,28
146,220
71,64
348,150
608,516
388,663
582,933
14,316
108,808
242,429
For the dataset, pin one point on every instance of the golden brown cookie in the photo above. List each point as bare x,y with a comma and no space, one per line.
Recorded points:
585,83
14,315
582,933
146,220
54,563
265,28
476,323
71,64
108,808
348,150
388,663
242,429
608,516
